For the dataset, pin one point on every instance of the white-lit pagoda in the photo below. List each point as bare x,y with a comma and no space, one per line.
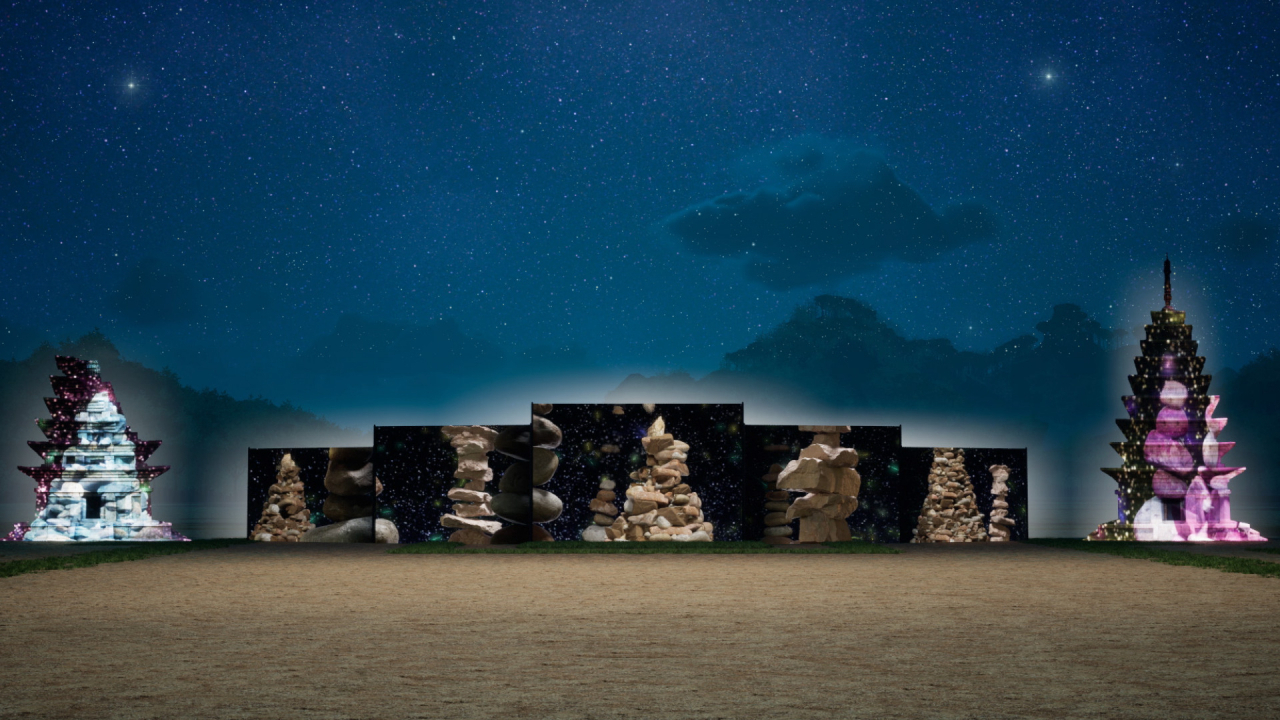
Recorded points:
94,484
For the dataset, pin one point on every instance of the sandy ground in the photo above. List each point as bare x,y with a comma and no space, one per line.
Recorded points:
330,631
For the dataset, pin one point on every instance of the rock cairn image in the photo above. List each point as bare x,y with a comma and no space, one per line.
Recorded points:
825,474
95,483
352,486
514,501
1001,526
659,504
604,510
285,517
545,437
471,501
777,527
950,511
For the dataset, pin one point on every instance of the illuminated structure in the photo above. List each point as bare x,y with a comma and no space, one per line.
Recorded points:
1173,485
94,483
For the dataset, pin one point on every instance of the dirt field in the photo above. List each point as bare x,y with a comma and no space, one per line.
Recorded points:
330,631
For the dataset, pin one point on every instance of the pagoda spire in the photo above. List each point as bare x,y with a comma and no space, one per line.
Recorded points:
1168,288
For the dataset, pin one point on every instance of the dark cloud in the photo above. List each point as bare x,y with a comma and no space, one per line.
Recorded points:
152,293
821,211
1244,237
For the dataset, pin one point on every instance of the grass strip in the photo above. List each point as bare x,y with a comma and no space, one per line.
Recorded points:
130,551
579,547
1273,551
1144,551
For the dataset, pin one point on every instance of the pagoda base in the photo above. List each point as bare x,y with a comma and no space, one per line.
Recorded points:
40,531
1149,525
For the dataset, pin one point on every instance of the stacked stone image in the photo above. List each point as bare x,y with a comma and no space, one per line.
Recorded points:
285,517
825,473
659,504
95,483
777,527
545,437
950,510
472,499
514,501
604,514
1000,528
349,504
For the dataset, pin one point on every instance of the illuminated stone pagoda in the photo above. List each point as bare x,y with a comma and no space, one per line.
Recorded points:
94,484
1173,485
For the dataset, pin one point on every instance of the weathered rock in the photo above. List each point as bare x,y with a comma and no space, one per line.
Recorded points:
542,408
386,532
513,507
514,442
545,434
471,510
345,507
825,428
644,519
603,507
460,523
776,519
545,463
468,496
517,479
602,520
547,506
469,537
474,467
537,533
607,484
359,530
350,471
456,431
671,515
596,533
606,495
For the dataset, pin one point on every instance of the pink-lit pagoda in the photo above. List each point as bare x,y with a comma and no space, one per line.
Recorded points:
94,484
1173,483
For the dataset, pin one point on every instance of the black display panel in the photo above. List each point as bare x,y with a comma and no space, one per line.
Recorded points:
416,465
309,468
605,442
877,517
915,466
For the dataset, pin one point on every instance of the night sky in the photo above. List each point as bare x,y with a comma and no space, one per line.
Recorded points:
360,207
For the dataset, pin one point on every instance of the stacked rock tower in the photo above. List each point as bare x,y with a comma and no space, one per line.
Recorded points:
777,526
95,483
285,517
604,512
471,500
352,487
660,505
545,437
825,474
1000,528
1173,485
514,501
950,511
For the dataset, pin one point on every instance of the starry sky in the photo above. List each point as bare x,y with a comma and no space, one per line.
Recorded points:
359,205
